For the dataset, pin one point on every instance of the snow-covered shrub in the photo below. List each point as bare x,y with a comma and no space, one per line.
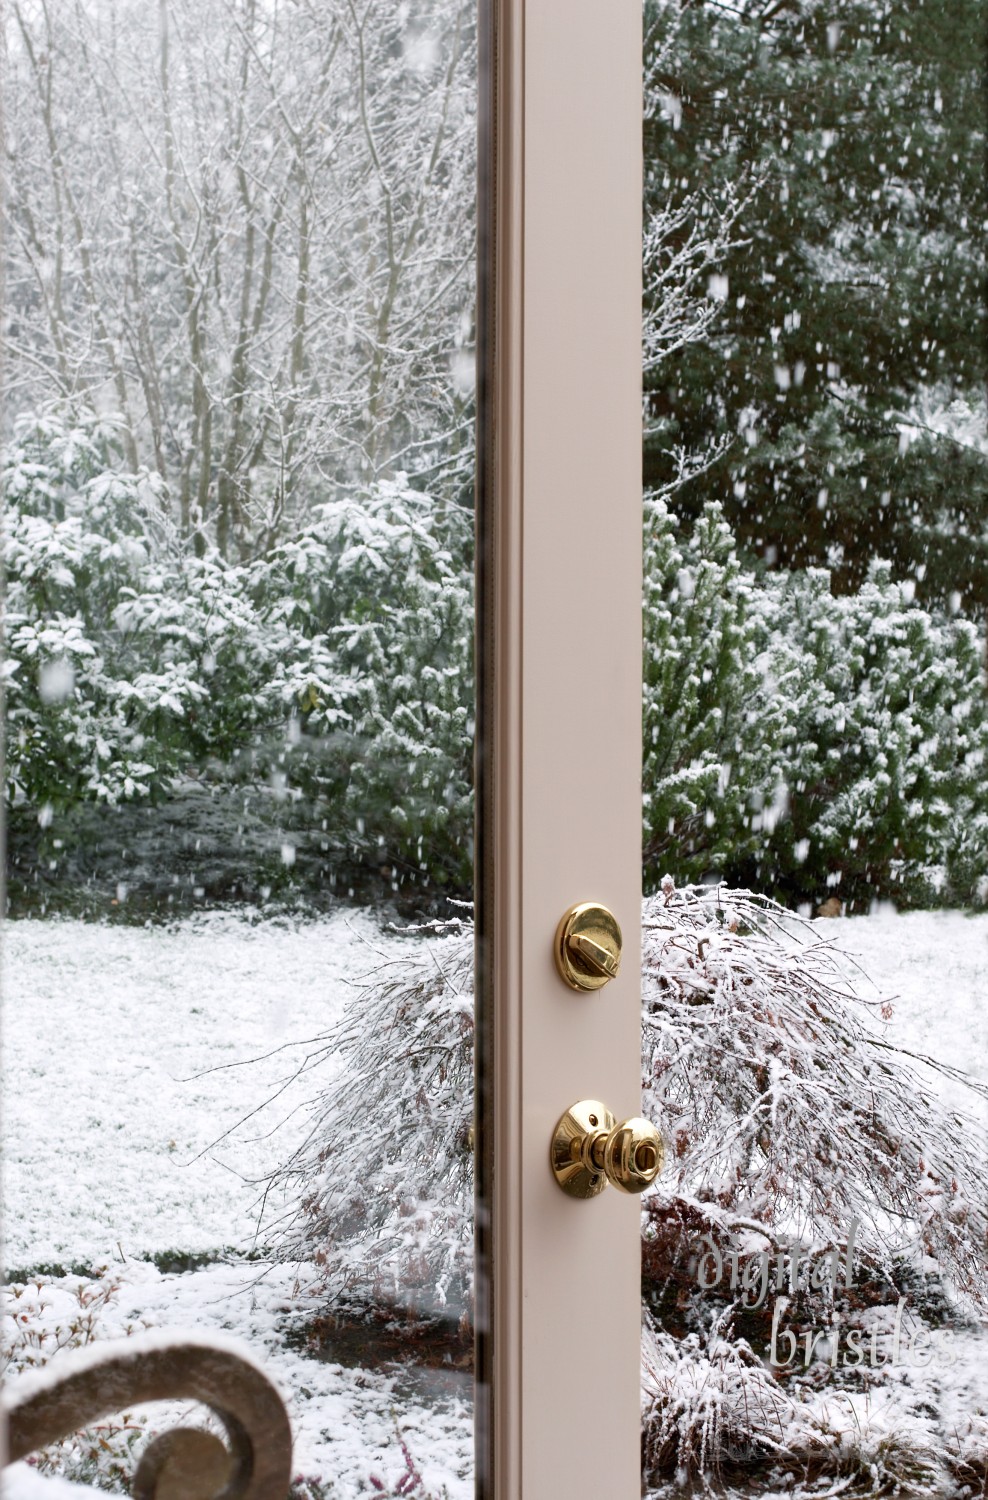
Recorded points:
893,728
789,1116
337,666
718,736
783,1102
382,1184
712,1408
784,1106
806,743
129,659
712,1414
41,1319
379,591
77,541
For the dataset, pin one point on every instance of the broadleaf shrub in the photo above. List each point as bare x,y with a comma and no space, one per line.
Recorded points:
801,743
336,668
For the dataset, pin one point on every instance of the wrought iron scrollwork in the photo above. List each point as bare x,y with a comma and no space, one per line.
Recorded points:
185,1463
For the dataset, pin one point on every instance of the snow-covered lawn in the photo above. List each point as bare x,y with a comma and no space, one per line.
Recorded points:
933,966
112,1124
119,1146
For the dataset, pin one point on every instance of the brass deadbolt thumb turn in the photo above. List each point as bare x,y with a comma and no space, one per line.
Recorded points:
590,1149
588,946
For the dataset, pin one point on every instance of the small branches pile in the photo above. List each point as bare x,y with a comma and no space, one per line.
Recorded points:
385,1171
714,1412
784,1103
712,1407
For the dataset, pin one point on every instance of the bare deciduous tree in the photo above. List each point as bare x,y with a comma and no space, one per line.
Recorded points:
246,226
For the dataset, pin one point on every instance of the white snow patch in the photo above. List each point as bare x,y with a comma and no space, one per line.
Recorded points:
933,967
110,1119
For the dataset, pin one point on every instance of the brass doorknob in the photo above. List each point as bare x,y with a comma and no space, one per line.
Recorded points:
590,1149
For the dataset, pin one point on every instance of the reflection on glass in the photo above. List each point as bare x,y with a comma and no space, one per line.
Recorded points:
238,473
815,1272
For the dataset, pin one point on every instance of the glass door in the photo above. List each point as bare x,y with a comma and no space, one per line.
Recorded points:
815,944
238,421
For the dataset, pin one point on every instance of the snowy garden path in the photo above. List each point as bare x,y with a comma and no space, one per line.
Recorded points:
105,1030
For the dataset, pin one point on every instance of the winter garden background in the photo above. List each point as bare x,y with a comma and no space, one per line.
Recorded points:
238,467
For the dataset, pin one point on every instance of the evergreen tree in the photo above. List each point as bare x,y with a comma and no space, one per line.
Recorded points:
847,368
801,743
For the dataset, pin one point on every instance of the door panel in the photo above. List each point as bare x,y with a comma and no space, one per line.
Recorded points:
238,427
561,787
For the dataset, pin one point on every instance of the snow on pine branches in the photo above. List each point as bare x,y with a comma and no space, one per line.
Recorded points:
797,740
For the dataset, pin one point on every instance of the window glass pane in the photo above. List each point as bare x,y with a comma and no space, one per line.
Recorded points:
238,467
815,732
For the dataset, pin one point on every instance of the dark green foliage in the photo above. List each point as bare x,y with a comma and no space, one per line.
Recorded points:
329,681
848,366
307,717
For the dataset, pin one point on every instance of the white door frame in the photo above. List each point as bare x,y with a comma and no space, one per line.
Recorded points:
559,770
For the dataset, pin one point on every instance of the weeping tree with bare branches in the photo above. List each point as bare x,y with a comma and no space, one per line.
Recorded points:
804,1147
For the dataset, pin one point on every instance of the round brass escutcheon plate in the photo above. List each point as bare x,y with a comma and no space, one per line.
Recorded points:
589,1149
572,1168
588,946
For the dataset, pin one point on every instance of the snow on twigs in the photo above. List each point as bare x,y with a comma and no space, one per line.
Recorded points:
796,1130
383,1178
780,1097
783,1102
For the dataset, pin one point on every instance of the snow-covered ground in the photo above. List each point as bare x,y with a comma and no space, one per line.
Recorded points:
347,1423
119,1145
115,1137
933,967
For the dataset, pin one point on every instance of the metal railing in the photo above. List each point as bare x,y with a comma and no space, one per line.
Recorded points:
185,1463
